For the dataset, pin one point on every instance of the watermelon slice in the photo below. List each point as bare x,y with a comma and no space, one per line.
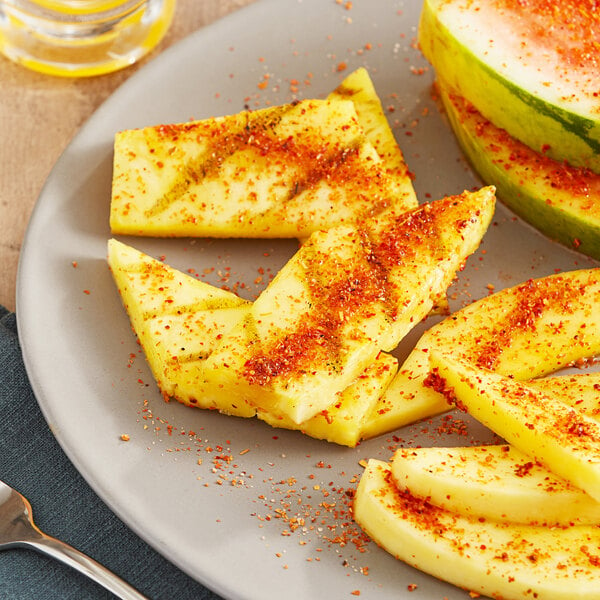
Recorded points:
561,201
532,67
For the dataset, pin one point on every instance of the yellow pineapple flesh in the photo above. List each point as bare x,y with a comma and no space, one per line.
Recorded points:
343,420
282,171
178,321
494,482
565,440
492,558
525,331
347,294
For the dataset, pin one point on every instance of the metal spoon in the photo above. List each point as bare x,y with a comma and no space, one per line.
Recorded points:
17,529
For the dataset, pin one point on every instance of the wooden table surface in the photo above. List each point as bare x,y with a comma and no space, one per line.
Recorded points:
39,115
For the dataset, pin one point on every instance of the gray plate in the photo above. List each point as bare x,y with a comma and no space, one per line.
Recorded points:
226,521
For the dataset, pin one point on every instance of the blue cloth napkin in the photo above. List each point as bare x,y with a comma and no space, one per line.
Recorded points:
65,506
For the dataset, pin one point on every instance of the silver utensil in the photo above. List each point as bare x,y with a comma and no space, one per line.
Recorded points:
17,529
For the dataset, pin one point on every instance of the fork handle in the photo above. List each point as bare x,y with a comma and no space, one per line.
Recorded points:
84,564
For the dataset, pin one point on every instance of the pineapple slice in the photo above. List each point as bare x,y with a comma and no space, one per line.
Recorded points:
342,422
178,321
283,171
499,560
500,482
494,482
562,438
525,331
345,295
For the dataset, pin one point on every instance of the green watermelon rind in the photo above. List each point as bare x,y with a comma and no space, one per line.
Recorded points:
564,220
537,122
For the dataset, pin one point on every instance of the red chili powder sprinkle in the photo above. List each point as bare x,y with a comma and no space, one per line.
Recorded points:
355,290
535,297
569,27
524,469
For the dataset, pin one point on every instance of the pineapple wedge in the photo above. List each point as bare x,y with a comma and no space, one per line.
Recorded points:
526,331
178,321
563,439
499,560
500,482
494,482
344,296
343,421
283,171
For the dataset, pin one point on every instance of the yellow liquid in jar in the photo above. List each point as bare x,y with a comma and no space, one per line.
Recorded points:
82,7
121,39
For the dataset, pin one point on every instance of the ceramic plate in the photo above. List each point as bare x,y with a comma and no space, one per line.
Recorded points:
250,511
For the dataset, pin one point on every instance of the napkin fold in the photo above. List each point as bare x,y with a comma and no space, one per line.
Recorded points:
65,506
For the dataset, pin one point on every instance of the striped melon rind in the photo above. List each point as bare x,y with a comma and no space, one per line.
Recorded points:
517,79
563,202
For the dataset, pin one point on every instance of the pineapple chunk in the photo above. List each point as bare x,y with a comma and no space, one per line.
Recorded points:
500,560
345,295
342,422
494,482
525,331
563,439
283,171
178,321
